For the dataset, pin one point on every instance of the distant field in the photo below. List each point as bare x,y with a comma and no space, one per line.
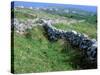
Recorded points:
33,52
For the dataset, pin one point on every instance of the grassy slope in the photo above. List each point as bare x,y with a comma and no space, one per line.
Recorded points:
34,53
37,54
82,27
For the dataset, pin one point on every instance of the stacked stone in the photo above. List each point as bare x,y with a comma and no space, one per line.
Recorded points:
20,26
82,41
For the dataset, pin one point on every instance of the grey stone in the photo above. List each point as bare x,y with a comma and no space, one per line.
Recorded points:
82,41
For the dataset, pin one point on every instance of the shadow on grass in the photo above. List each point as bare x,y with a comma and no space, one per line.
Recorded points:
77,58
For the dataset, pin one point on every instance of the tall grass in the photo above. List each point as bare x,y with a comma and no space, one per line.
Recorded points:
33,52
37,54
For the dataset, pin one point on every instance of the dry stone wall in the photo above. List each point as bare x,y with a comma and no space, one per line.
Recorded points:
20,25
81,41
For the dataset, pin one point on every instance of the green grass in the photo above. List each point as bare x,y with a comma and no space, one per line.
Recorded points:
82,27
24,15
33,52
37,54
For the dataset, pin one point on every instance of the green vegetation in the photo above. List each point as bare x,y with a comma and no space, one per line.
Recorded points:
37,54
78,14
24,15
89,18
82,27
33,52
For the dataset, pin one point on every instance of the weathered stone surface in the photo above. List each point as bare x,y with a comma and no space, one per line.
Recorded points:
82,41
20,25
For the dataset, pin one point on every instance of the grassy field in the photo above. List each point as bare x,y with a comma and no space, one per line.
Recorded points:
36,54
33,52
82,27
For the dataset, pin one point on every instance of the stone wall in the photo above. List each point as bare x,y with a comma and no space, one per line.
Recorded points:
83,42
20,25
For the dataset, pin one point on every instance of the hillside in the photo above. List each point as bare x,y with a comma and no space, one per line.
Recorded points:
33,52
